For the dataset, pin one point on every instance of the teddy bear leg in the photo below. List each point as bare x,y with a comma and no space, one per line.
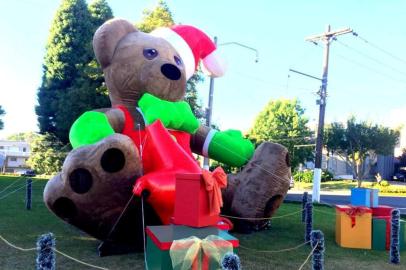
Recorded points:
259,189
94,188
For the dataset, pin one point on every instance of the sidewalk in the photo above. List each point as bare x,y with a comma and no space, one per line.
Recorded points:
322,192
338,193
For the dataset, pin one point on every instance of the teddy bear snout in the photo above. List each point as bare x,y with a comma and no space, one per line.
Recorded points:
171,72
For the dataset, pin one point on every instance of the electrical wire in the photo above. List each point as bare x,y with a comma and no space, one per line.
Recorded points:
371,58
365,66
269,83
379,48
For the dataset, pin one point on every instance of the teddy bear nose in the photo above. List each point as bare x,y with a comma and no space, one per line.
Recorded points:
171,72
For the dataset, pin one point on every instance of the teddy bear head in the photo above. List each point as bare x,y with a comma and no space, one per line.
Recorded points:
135,62
159,63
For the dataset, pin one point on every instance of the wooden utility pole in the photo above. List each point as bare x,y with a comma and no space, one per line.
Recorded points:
326,38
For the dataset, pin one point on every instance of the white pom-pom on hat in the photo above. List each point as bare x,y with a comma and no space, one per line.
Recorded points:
193,45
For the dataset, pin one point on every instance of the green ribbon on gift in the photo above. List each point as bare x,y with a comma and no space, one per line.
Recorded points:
186,252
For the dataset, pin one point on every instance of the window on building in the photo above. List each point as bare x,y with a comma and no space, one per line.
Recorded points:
1,147
13,159
24,149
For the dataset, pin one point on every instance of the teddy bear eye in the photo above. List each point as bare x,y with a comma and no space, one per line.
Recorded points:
178,61
150,53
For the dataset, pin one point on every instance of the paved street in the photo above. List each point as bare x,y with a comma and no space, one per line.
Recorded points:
398,202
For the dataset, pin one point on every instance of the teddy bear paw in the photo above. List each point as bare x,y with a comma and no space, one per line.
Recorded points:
95,186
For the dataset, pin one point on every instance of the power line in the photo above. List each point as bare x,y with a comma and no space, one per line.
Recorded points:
371,58
365,66
269,83
379,48
370,69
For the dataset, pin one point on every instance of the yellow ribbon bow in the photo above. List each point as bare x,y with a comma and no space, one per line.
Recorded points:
185,253
214,181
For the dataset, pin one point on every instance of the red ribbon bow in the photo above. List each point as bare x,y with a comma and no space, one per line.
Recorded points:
353,212
214,182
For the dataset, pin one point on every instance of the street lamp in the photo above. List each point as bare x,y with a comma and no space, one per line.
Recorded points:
209,109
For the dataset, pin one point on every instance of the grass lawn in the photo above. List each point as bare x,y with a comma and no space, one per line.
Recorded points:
22,227
346,185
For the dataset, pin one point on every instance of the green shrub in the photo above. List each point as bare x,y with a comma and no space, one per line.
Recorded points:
387,188
326,176
392,189
304,176
307,176
227,168
384,183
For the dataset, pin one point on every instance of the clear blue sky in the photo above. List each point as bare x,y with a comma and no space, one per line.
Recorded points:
362,80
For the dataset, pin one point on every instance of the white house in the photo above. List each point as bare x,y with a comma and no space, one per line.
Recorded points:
14,156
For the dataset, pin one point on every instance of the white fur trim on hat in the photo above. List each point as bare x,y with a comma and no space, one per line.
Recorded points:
214,65
180,46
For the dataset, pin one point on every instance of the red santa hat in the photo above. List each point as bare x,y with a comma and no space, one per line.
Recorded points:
193,45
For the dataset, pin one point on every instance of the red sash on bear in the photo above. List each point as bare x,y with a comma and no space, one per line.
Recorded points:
164,154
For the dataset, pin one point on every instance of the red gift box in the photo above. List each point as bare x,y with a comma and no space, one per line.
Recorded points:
196,200
384,212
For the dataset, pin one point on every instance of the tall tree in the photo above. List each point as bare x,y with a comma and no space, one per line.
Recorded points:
283,121
2,112
67,51
358,140
71,74
100,12
161,16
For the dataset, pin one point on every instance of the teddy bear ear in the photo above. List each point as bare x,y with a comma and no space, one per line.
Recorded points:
107,37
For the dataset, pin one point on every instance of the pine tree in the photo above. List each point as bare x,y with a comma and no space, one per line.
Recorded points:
67,51
72,81
161,16
100,12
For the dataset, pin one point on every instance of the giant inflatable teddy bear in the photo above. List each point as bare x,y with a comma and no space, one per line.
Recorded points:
137,147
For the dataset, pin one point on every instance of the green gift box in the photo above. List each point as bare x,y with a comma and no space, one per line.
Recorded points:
381,234
160,239
402,238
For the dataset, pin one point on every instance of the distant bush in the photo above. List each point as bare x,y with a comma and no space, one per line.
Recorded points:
326,176
227,168
307,176
392,189
304,176
385,187
384,183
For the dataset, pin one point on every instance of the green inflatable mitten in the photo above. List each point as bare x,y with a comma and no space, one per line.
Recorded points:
89,128
174,115
231,148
